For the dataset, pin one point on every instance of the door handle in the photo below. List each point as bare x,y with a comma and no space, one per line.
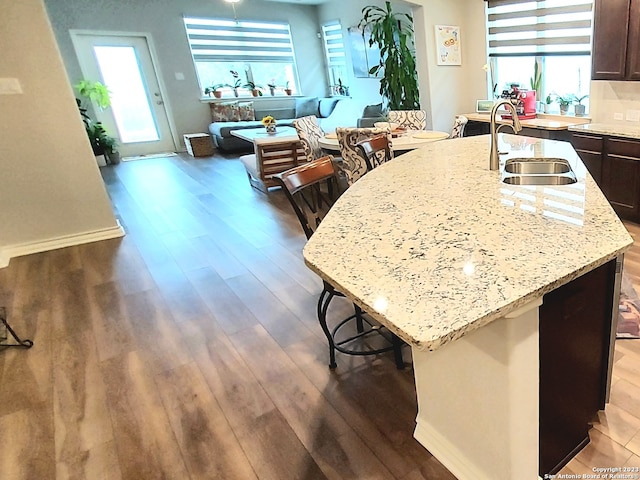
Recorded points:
160,102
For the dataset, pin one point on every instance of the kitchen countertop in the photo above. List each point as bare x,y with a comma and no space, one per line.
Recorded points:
626,131
434,245
549,122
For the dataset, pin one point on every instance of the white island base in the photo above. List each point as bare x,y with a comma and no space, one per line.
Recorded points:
478,400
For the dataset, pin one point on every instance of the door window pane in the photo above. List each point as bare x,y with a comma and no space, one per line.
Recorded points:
129,97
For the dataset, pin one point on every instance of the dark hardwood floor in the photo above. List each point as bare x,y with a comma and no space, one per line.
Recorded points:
190,349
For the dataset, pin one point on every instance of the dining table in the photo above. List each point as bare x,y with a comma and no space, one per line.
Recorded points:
407,140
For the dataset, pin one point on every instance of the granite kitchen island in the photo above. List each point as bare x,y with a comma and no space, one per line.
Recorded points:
481,278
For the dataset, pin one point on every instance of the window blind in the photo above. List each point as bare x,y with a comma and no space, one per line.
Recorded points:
539,27
334,44
229,41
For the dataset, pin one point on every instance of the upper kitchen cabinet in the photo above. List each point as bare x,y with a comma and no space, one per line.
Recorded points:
616,40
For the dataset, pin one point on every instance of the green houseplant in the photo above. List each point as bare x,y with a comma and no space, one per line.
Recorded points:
564,102
392,33
215,89
101,142
255,89
579,108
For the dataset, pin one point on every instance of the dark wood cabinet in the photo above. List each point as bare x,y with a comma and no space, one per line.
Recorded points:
573,375
614,163
616,36
590,148
621,177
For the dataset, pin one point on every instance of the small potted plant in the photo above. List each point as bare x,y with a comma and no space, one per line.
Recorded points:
547,105
255,89
341,89
216,89
237,83
270,124
564,102
272,87
103,145
287,90
579,108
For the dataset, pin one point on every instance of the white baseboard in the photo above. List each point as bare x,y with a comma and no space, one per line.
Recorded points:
447,453
11,251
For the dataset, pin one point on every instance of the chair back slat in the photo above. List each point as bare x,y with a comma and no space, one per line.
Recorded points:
375,150
312,189
411,119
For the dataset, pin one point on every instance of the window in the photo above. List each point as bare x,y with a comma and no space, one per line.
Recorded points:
554,33
335,55
260,53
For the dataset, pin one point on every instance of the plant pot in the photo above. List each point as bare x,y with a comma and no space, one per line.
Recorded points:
113,157
255,92
287,91
564,109
547,108
272,91
271,129
579,110
217,94
101,160
235,92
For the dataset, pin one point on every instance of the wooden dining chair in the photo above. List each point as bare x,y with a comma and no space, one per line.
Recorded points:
311,189
375,150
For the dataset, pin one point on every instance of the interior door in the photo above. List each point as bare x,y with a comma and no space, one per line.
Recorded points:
137,116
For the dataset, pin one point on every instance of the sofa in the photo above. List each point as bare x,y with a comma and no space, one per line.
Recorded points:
227,116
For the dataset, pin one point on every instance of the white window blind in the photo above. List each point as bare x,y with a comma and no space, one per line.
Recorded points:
214,40
542,27
334,44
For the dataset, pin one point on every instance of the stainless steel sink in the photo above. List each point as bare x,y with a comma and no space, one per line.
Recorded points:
540,180
538,171
537,166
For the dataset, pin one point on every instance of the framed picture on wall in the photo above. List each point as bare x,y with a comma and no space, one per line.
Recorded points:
448,45
363,57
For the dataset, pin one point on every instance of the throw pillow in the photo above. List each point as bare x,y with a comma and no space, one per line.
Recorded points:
224,112
326,106
246,111
307,106
372,111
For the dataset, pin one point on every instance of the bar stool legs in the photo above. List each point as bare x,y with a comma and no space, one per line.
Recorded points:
342,345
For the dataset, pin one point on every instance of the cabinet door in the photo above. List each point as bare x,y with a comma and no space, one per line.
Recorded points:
593,162
575,326
611,24
589,148
621,171
633,45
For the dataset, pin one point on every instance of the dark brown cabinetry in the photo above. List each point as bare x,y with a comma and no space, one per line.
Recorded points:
590,148
614,163
616,40
573,374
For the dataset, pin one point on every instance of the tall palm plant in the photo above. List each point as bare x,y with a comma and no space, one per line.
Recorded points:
393,33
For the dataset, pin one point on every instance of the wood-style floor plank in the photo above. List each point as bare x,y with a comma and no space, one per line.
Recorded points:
190,349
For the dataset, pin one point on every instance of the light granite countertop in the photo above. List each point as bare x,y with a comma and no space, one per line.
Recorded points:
434,245
626,131
542,122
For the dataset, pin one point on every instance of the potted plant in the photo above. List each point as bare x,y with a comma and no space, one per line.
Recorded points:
547,105
564,102
579,108
215,89
341,89
536,83
103,145
272,87
287,90
236,82
392,33
255,89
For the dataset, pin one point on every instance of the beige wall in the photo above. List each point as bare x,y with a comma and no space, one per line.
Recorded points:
51,185
450,90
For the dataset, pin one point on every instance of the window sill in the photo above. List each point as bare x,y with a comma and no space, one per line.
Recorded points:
246,98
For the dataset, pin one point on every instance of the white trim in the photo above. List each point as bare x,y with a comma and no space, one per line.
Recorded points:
173,130
447,453
29,248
